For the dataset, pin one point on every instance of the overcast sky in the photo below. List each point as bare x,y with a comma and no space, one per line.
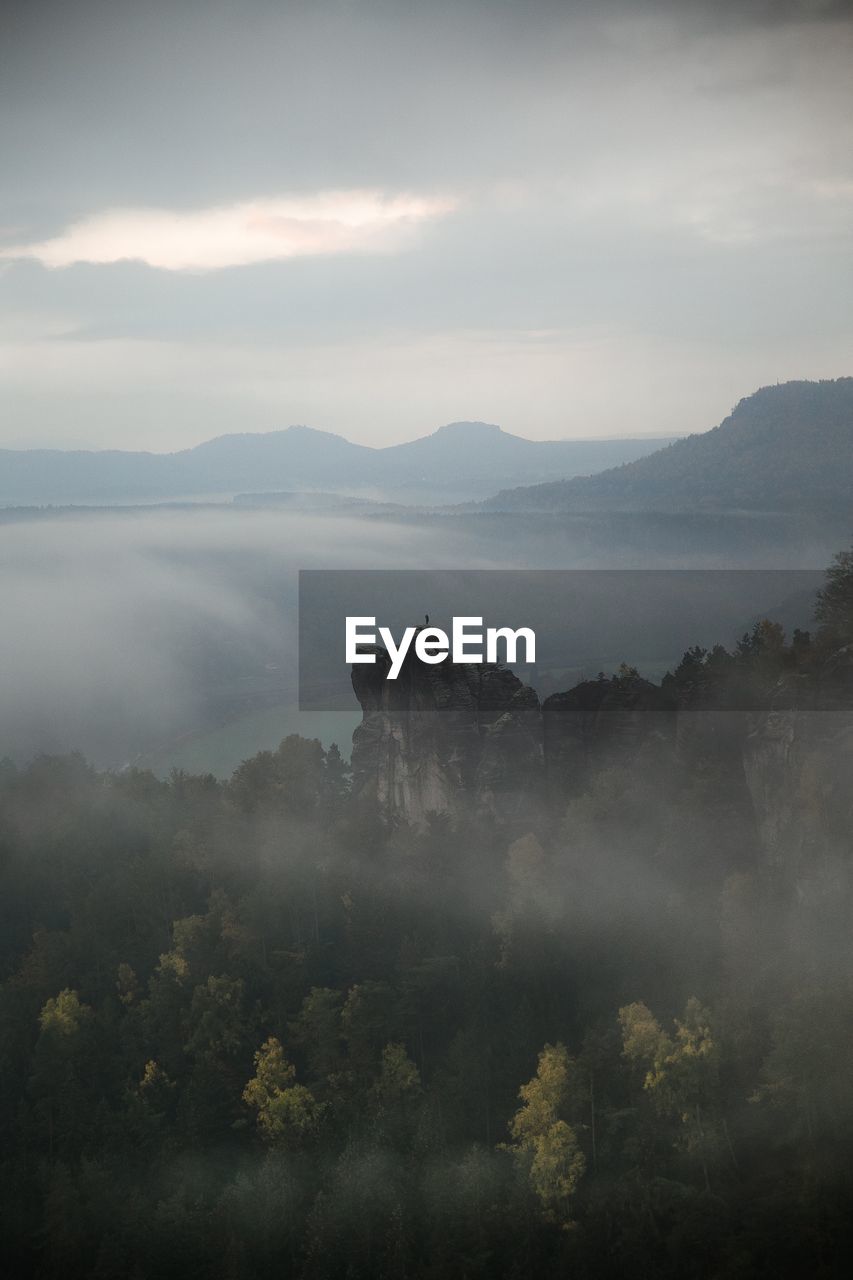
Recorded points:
375,216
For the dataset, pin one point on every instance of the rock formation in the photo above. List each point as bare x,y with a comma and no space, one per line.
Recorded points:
606,722
797,763
445,738
455,738
473,739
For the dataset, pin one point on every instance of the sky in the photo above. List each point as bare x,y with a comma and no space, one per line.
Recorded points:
376,216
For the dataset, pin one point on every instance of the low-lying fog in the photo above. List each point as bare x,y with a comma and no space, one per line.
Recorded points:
135,635
126,630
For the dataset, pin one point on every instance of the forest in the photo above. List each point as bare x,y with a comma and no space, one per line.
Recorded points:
252,1028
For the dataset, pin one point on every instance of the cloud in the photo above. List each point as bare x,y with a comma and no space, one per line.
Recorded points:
253,231
669,173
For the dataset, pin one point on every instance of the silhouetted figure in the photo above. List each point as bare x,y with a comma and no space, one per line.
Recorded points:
426,619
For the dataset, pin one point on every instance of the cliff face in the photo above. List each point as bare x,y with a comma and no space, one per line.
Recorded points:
603,723
455,738
461,739
446,739
798,765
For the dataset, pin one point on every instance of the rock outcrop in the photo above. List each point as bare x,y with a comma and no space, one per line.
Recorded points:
603,723
798,764
446,738
473,739
455,738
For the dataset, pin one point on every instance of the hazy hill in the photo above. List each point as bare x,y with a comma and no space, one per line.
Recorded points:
459,461
785,448
479,451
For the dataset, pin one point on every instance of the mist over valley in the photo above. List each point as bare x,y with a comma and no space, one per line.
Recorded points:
139,633
515,316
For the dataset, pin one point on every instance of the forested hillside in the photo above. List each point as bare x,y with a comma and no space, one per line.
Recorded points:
254,1028
785,448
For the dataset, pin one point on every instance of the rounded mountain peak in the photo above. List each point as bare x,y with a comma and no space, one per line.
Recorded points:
469,429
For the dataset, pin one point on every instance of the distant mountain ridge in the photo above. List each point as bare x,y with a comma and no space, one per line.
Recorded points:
459,461
786,448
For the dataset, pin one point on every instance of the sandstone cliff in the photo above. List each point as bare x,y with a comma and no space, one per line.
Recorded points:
603,723
455,738
798,765
771,789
